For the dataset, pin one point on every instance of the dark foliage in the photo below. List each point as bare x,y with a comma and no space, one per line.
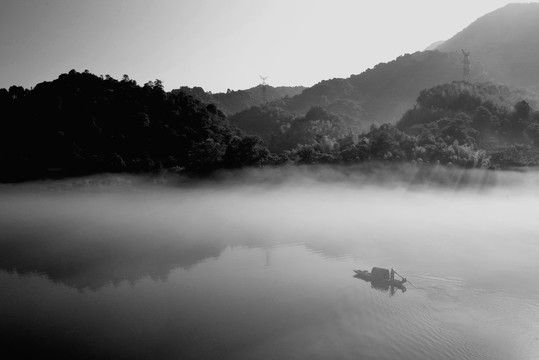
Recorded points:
271,123
470,125
82,123
388,144
483,114
282,131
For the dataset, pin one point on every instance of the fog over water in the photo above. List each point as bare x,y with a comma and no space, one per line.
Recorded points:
258,264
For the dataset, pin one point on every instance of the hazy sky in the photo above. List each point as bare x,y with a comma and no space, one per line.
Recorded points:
220,44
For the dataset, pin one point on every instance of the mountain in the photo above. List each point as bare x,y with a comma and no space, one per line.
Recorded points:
232,102
505,41
504,48
434,45
382,94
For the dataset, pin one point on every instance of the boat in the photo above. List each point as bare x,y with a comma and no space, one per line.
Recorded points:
379,276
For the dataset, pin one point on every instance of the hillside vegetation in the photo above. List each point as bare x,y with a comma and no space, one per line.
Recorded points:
282,130
382,94
81,123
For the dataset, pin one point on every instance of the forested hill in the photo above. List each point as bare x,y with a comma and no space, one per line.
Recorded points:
494,118
232,102
449,99
462,123
82,124
506,42
382,94
283,131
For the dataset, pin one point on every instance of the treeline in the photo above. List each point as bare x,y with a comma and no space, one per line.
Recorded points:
471,125
321,137
82,123
486,116
385,143
283,131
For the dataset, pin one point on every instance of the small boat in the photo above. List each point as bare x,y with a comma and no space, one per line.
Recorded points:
379,276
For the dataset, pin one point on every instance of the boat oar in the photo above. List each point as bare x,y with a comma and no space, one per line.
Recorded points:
408,281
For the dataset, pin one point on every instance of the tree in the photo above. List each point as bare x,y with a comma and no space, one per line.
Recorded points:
482,118
457,128
523,110
16,92
158,84
246,150
533,132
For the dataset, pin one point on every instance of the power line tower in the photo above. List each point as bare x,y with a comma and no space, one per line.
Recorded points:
264,87
466,66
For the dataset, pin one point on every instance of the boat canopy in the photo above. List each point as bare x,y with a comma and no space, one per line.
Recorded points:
379,273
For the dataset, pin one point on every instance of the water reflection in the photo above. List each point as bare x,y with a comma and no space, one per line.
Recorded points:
97,258
263,271
385,287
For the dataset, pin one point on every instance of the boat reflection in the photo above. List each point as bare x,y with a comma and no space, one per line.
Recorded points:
380,284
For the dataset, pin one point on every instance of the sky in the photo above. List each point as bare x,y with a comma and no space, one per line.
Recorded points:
220,44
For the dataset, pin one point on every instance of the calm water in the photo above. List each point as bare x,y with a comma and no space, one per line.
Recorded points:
235,270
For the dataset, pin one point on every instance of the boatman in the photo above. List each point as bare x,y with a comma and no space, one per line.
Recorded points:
392,276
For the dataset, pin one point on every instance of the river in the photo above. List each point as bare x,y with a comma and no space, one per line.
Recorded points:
259,265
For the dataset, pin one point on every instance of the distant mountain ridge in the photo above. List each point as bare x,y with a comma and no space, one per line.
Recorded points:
504,46
506,42
382,94
232,102
434,45
504,49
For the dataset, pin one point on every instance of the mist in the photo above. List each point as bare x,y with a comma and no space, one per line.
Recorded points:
110,222
288,238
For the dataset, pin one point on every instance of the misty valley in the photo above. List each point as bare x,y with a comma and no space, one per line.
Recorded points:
259,265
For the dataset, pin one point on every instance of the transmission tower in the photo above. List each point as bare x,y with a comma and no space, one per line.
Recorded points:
264,87
466,65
